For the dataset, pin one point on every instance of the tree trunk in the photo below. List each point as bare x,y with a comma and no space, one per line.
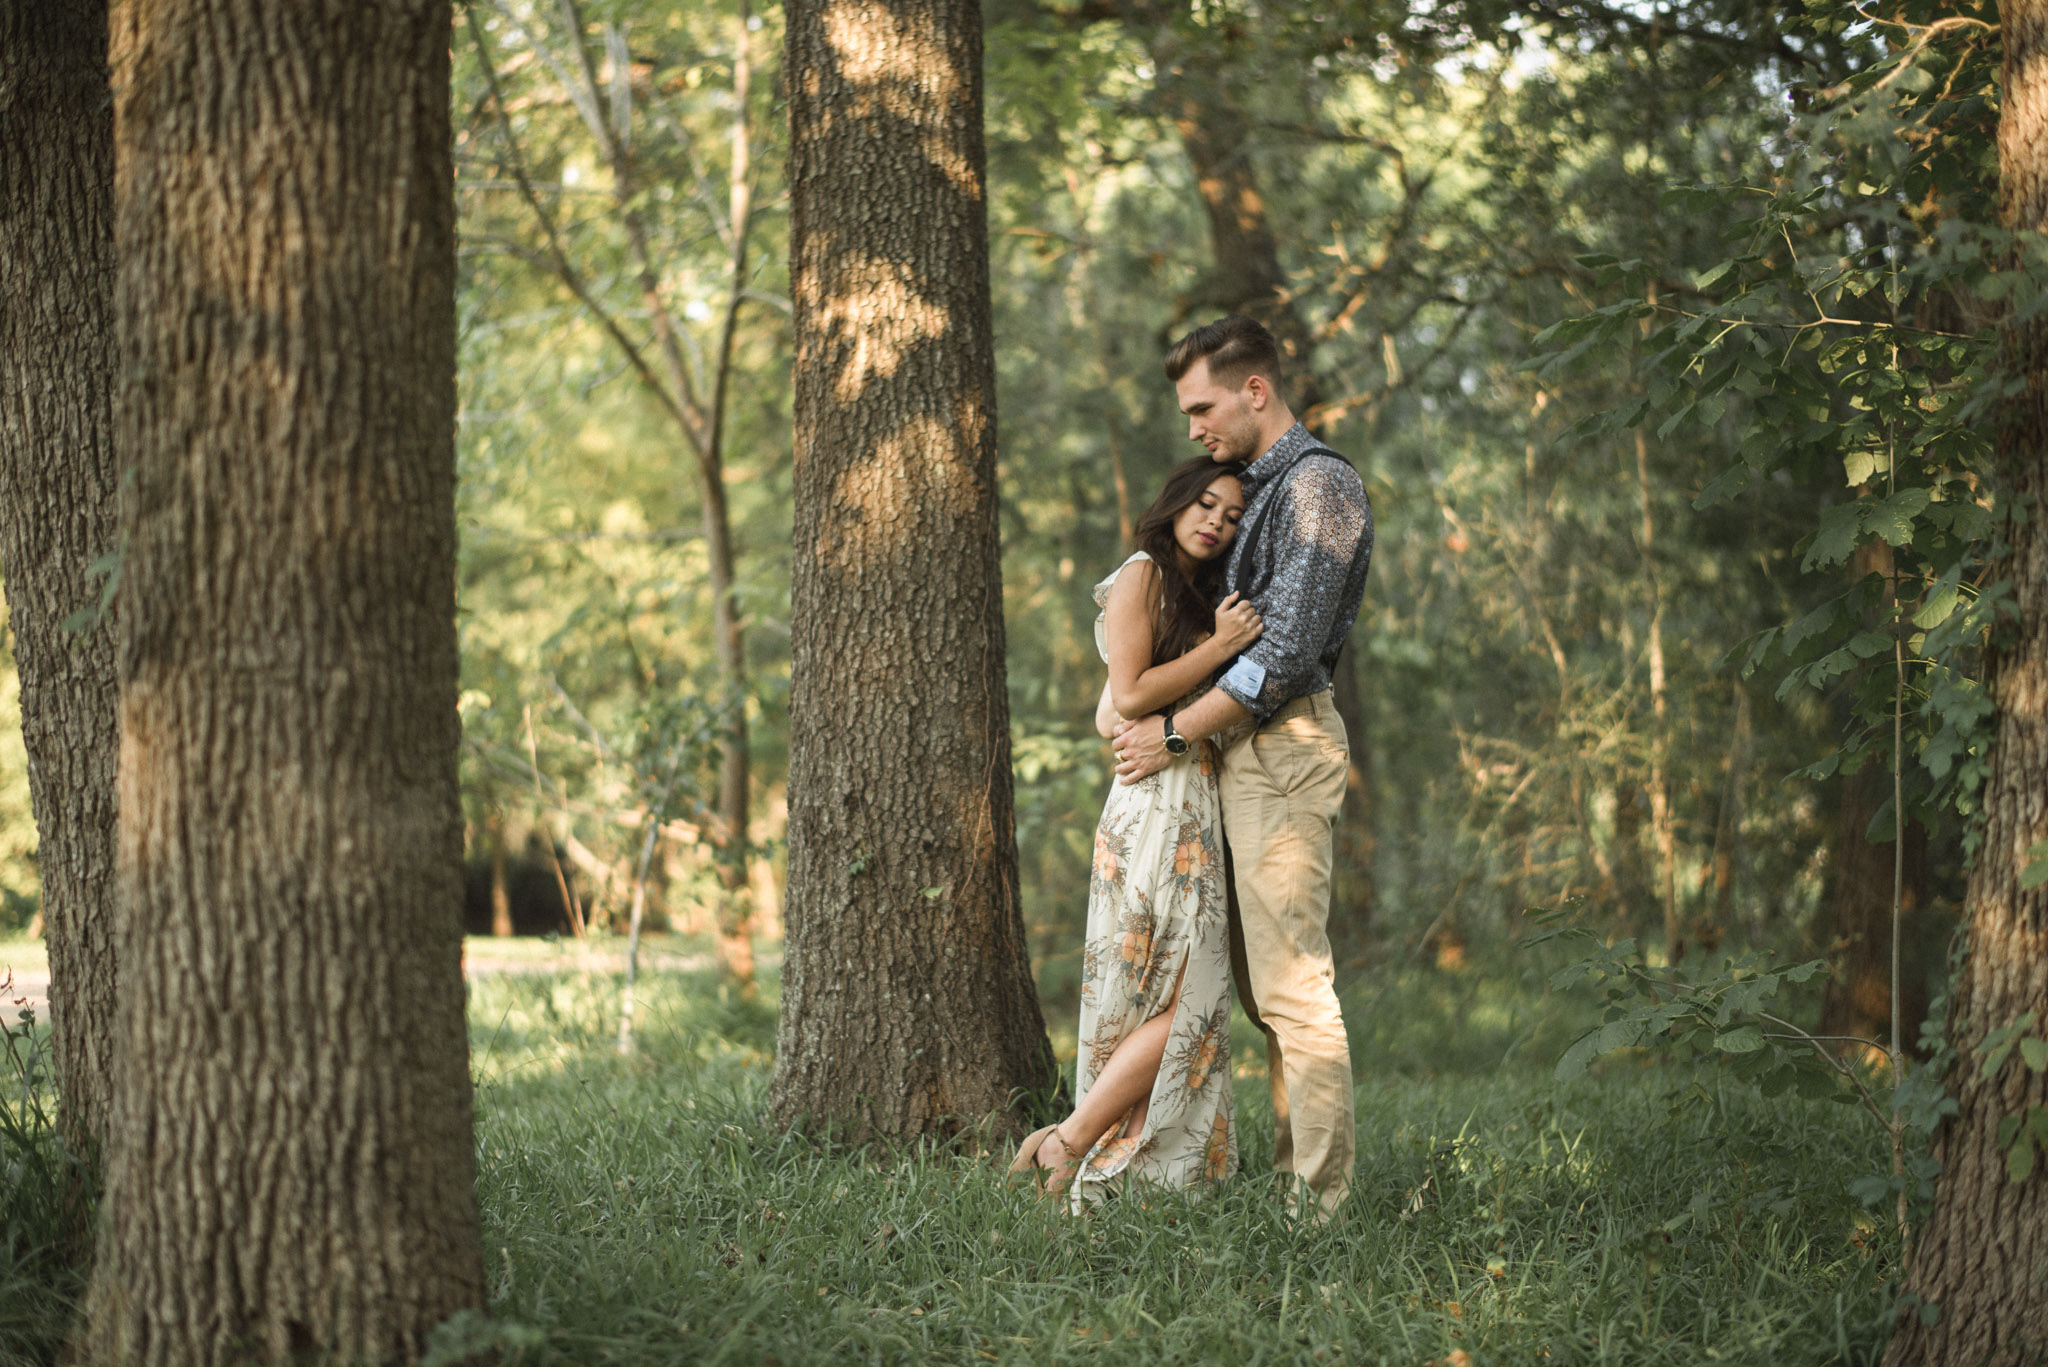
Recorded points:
57,483
1858,996
1728,825
1663,825
1978,1259
501,893
735,918
290,831
908,1008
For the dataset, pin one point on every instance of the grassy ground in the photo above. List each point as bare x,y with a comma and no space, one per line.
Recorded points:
641,1211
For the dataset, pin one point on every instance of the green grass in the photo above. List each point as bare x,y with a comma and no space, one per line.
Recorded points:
642,1211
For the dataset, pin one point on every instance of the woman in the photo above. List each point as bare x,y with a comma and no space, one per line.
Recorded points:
1153,1079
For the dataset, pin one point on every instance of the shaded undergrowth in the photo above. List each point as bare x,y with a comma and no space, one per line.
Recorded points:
45,1216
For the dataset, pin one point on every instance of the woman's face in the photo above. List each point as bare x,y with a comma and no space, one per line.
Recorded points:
1205,528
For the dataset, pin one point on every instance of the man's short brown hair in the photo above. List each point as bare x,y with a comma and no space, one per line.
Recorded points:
1236,349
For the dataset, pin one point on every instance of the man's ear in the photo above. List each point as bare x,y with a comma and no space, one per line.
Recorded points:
1258,392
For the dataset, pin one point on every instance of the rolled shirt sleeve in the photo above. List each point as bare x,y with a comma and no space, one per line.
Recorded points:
1322,528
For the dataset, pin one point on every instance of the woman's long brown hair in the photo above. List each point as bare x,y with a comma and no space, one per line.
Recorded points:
1184,605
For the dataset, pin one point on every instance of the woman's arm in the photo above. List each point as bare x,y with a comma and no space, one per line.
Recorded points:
1106,715
1136,685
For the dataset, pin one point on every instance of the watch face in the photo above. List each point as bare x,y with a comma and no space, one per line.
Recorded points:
1176,745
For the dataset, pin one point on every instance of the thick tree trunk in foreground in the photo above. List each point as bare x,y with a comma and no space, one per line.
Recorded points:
1979,1258
289,1170
907,1008
57,486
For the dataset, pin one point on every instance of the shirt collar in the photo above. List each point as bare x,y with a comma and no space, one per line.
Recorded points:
1278,458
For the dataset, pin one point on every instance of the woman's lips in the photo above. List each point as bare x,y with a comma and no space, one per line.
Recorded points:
1205,538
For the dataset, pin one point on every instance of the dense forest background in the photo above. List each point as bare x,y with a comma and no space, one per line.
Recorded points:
1552,687
1695,358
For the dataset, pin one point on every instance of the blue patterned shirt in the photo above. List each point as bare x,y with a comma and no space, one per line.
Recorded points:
1308,575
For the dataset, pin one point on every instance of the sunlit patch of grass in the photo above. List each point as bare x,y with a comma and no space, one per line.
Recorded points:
642,1210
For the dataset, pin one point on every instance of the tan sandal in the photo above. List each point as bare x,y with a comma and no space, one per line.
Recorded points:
1058,1176
1027,1153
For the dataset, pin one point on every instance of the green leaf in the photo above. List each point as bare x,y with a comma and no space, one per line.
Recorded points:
1836,537
1812,624
1865,644
2036,871
1743,1039
1892,517
1998,1044
1576,1058
1713,275
1939,605
1671,424
1723,486
2034,1052
2019,1159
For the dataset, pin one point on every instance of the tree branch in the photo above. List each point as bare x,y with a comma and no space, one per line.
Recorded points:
556,257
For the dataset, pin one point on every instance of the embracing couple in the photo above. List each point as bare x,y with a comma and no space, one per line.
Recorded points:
1213,855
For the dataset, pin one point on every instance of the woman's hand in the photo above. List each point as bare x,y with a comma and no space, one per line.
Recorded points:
1237,625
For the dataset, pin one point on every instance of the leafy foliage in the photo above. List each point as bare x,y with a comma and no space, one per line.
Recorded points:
1728,1018
1850,328
44,1203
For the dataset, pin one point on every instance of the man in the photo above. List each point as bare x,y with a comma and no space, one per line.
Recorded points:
1300,559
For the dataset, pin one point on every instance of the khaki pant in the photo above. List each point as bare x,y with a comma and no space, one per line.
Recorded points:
1282,786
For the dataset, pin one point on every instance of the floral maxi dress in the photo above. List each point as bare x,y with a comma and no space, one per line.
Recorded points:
1157,917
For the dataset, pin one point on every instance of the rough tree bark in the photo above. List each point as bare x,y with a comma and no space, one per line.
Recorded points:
57,485
289,1168
908,1008
1978,1260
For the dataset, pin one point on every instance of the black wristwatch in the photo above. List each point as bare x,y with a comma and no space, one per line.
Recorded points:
1176,743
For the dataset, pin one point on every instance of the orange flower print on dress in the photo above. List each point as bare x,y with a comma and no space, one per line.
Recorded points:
1157,940
1204,1054
1216,1155
1105,858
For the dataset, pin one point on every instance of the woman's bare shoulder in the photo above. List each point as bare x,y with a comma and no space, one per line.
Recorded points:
1134,580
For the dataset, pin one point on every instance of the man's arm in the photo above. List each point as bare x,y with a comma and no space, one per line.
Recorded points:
1323,518
1141,744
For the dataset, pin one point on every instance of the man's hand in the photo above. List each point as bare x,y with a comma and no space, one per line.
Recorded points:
1141,749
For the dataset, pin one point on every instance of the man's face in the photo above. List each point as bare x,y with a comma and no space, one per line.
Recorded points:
1224,420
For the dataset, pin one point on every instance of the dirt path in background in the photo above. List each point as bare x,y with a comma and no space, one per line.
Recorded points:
31,989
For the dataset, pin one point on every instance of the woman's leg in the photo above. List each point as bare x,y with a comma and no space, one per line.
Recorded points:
1124,1082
